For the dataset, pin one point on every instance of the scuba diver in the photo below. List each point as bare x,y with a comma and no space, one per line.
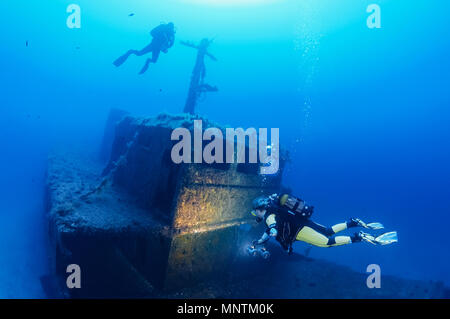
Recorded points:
163,39
288,220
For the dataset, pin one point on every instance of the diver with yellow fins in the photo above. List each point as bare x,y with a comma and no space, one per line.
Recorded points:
288,219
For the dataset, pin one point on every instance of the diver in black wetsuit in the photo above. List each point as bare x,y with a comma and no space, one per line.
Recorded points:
163,39
288,220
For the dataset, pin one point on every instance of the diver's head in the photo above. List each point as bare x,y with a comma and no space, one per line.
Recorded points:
259,214
171,26
259,207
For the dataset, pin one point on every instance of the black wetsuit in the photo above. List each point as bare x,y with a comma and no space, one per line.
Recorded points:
286,223
291,227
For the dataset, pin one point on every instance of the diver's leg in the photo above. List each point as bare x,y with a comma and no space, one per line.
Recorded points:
155,55
343,240
119,61
320,236
330,231
327,231
311,236
147,49
353,222
145,67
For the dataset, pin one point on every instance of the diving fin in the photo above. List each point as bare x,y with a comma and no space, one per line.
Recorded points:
384,239
120,60
367,238
374,226
387,238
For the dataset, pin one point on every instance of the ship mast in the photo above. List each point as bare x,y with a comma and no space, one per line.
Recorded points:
197,85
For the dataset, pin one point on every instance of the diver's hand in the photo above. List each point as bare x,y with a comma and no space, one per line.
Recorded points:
262,240
273,232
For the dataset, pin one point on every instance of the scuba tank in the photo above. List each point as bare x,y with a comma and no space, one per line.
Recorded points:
296,205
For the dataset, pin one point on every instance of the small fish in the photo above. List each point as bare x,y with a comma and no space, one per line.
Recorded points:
26,43
131,14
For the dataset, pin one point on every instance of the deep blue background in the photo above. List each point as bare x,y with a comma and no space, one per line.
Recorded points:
364,113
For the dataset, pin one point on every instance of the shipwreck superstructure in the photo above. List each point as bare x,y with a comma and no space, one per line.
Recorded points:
174,225
139,225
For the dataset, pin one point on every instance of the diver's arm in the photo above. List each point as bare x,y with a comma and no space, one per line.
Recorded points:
171,41
270,232
189,44
271,223
211,56
264,238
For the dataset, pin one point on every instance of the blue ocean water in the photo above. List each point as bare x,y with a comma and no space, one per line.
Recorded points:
363,112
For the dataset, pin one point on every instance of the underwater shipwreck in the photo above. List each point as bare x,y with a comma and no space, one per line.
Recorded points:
139,225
